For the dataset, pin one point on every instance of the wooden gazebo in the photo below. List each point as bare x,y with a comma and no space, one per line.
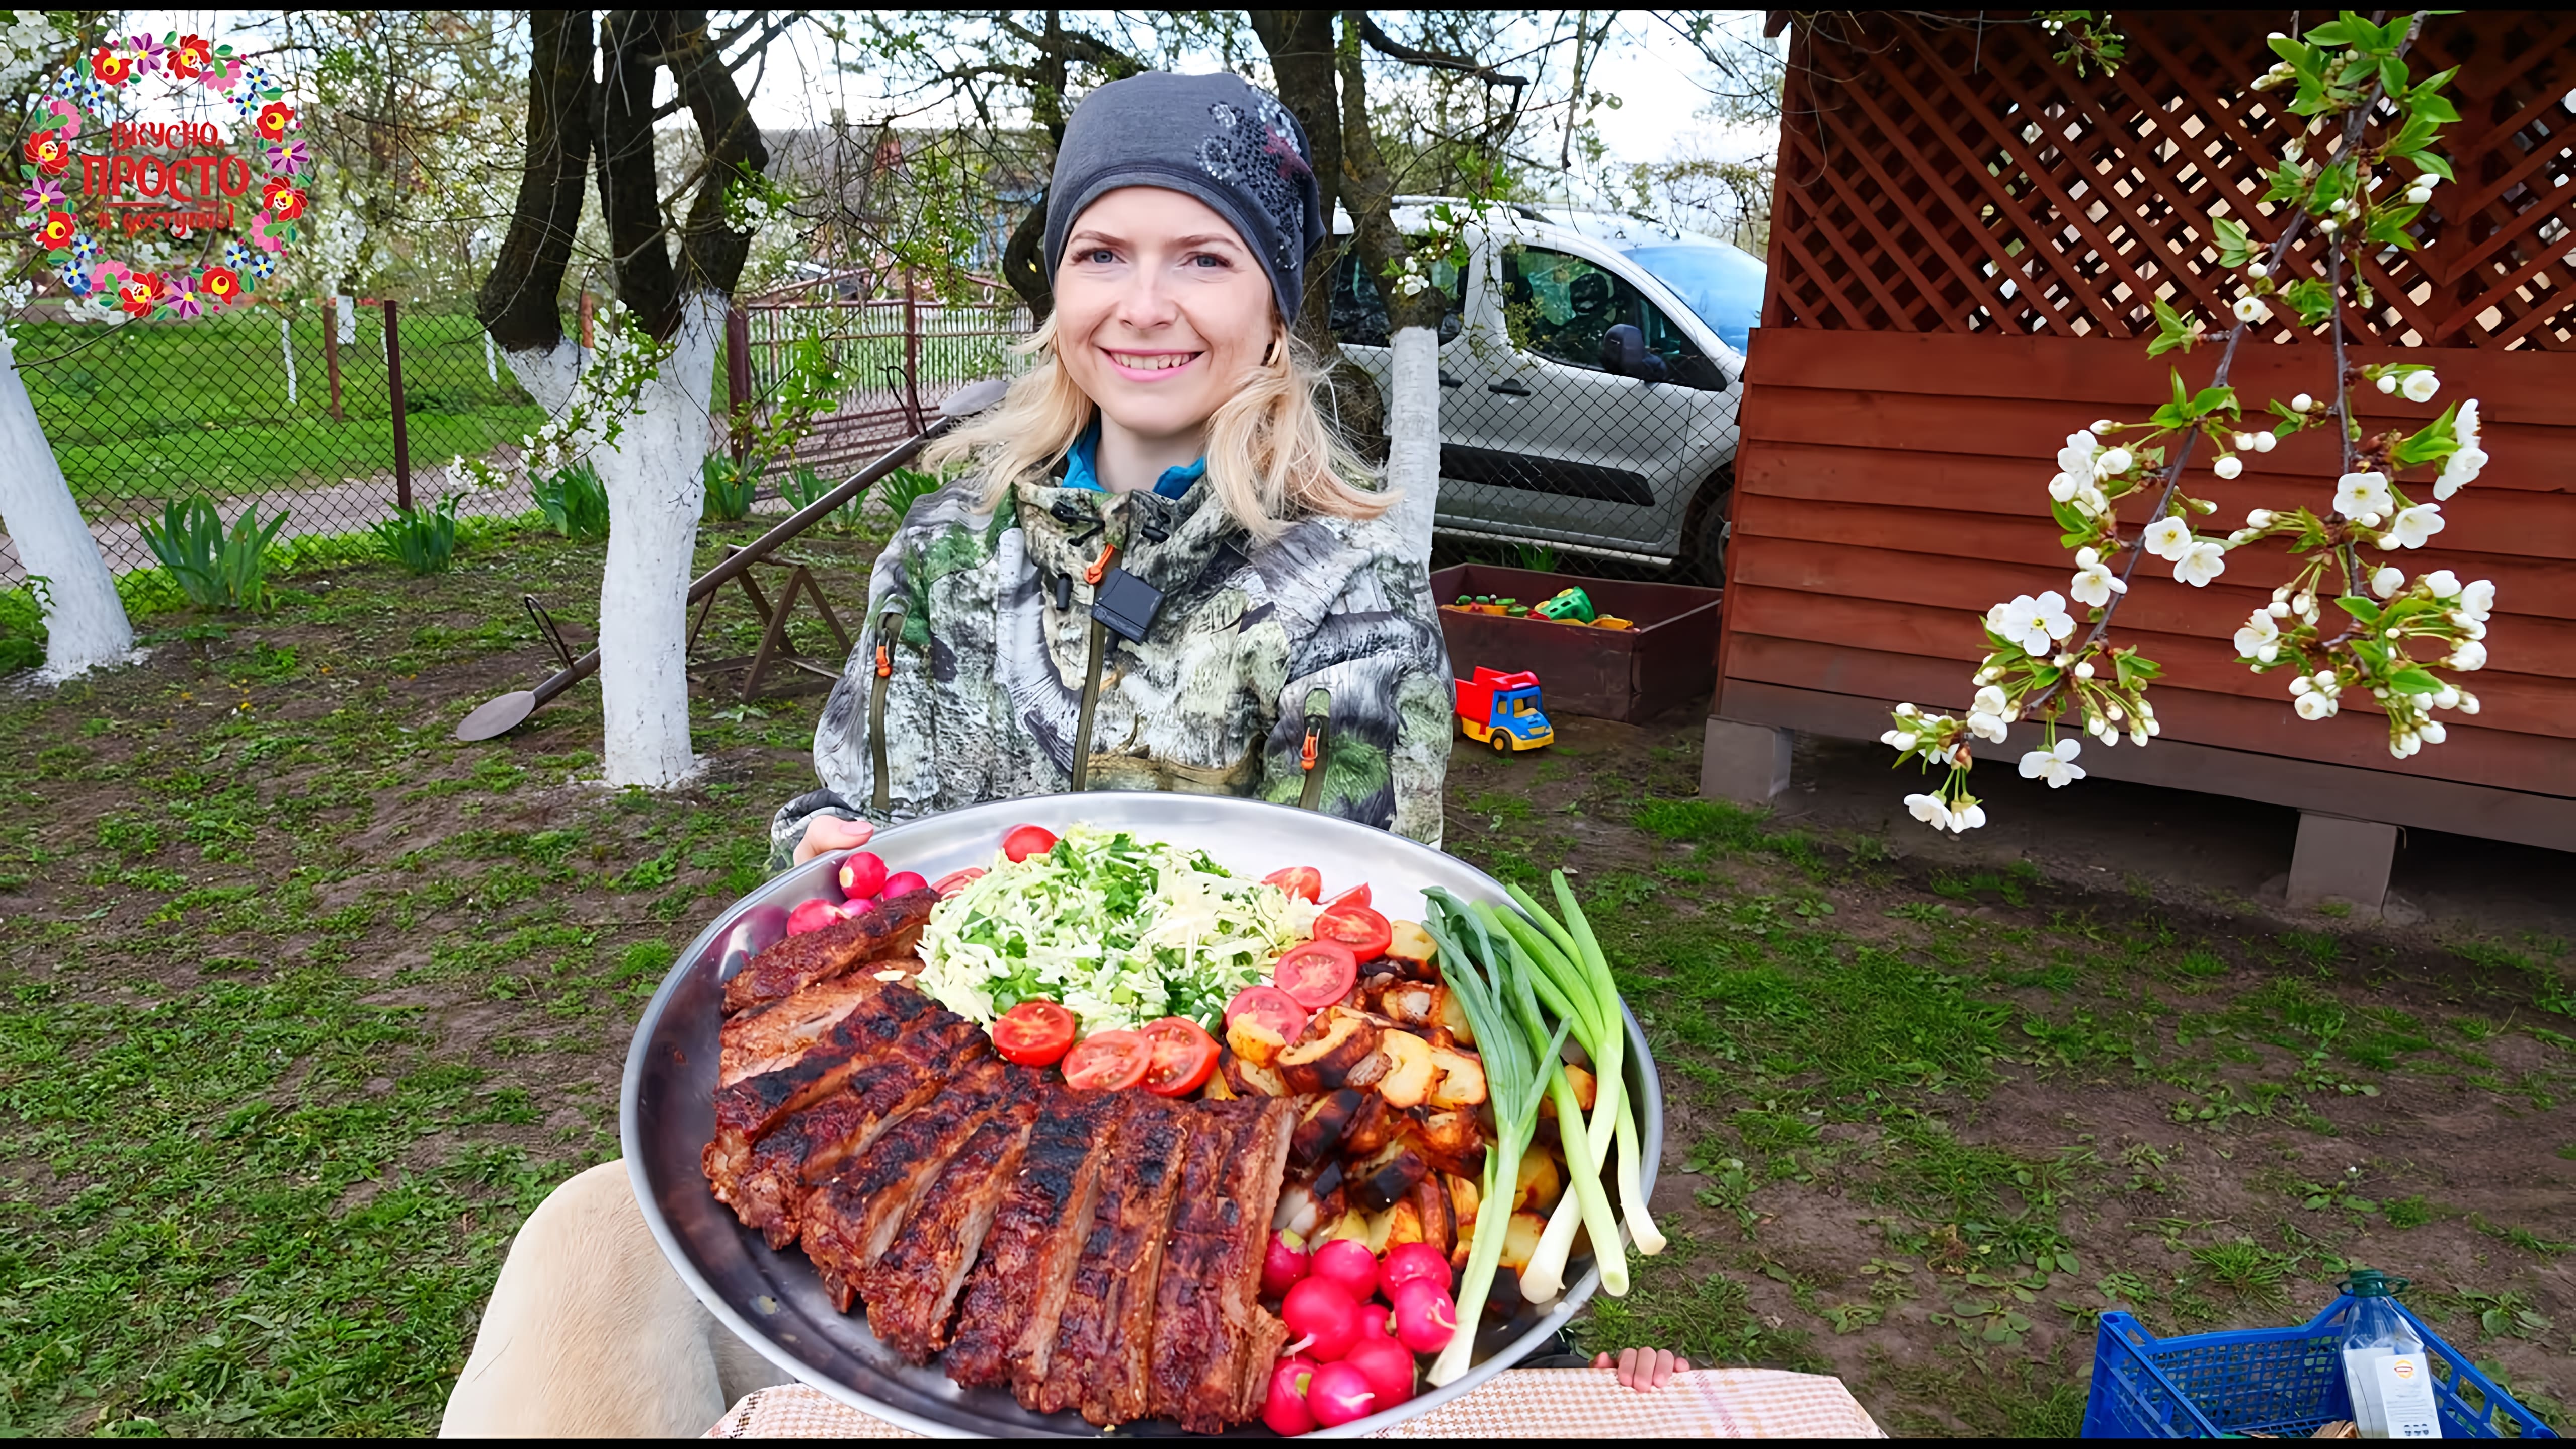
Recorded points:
1965,241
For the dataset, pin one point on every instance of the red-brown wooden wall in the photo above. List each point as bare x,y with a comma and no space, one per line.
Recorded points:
1891,483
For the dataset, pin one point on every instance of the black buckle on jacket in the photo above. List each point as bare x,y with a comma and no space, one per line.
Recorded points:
1126,605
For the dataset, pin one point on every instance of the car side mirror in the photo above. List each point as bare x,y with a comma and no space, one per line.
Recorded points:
1623,351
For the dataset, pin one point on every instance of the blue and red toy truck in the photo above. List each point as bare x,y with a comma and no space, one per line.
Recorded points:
1503,710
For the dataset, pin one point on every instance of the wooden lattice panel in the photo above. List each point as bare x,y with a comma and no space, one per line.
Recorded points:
1941,172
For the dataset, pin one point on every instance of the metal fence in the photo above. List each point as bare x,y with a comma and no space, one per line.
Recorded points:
905,355
330,409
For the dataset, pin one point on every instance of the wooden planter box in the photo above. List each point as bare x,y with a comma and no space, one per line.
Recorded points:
1667,661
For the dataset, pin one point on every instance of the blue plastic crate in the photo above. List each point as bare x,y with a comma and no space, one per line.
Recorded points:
2282,1381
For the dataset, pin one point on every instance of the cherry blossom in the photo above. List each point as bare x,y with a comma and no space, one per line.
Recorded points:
2228,467
1929,810
2252,309
2463,466
2032,623
2260,638
1898,740
2468,657
2477,600
1988,715
2056,765
2444,583
2420,386
2201,562
2112,463
1967,817
2387,581
2313,705
2078,454
2167,538
2412,526
2360,493
2094,582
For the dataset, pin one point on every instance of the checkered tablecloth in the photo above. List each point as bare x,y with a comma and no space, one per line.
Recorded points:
1520,1403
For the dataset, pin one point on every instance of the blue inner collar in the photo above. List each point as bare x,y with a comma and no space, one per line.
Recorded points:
1080,472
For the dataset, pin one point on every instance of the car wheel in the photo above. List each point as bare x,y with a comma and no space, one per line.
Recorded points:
1502,743
1706,560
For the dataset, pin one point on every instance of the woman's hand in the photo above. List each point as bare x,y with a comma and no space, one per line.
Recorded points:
827,833
1644,1369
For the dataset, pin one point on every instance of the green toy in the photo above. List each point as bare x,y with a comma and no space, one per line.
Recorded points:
1569,606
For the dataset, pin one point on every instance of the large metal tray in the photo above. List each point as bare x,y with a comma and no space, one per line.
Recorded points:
773,1299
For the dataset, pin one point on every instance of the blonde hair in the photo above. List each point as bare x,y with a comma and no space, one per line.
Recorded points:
1271,456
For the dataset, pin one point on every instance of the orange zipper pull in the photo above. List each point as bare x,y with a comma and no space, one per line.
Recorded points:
885,661
1306,756
1091,573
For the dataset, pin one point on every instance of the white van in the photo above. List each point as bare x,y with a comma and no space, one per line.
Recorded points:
1609,426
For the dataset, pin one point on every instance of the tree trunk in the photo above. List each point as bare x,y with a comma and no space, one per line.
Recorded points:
1413,378
519,303
655,494
1300,47
1023,268
85,623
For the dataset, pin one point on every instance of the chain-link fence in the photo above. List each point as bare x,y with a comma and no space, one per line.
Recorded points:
277,405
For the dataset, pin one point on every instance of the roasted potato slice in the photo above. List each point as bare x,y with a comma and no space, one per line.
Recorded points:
1411,946
1322,1060
1384,1178
1250,1079
1410,1071
1461,1081
1318,1135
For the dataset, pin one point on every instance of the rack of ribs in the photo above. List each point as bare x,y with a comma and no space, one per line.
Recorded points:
766,1038
810,1148
911,1291
1106,1326
1006,1321
851,1219
890,928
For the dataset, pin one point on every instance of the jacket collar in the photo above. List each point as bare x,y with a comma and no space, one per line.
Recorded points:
1168,542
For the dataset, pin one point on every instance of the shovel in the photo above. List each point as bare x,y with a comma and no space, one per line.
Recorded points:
497,717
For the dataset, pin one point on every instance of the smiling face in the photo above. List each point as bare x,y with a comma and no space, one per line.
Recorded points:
1161,311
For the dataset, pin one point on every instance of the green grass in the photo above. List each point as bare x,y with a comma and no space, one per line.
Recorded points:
144,411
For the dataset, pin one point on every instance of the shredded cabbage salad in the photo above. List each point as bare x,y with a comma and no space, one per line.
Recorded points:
1121,931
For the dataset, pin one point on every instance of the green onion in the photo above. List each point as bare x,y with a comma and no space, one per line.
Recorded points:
1582,1163
1488,984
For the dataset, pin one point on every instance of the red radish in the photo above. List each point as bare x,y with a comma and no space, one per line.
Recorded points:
1425,1316
862,875
1376,1320
904,882
1285,1409
1284,1265
1388,1367
1338,1394
814,915
1323,1315
1027,840
1406,1262
1348,1264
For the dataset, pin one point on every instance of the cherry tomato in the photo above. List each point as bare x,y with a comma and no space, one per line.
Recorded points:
1027,840
1184,1056
1276,1011
1108,1060
1357,895
1033,1033
1363,930
1302,881
1317,973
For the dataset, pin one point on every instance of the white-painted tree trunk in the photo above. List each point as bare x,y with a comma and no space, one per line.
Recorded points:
85,623
1413,437
655,494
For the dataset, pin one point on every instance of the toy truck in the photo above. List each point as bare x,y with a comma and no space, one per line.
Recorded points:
1503,710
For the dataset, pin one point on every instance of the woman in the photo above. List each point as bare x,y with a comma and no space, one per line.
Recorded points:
1158,570
1156,573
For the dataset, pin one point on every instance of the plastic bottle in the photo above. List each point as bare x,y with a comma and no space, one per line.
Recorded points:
2384,1365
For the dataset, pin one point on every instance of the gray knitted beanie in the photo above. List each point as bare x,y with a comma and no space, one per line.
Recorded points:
1215,137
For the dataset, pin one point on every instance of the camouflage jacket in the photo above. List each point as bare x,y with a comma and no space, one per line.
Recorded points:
1309,670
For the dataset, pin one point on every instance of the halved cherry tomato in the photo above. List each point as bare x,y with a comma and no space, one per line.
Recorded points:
1027,840
1363,930
1276,1010
1183,1056
1317,973
1033,1033
1303,881
1357,895
1106,1061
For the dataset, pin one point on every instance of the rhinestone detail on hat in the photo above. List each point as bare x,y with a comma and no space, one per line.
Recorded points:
1259,153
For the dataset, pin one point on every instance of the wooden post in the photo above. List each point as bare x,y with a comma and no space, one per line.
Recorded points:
911,353
402,422
331,351
738,378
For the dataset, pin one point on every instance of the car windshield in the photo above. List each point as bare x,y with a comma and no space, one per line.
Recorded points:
1722,285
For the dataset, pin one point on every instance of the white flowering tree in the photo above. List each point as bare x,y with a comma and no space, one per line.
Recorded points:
2348,621
85,622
